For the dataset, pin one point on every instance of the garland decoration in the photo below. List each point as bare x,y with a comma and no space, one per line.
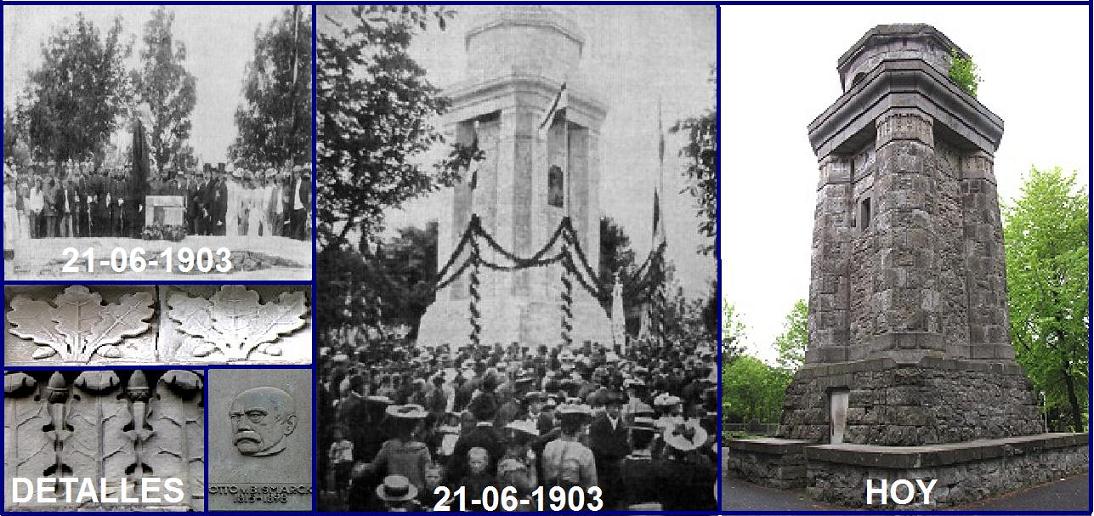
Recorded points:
646,283
476,326
567,297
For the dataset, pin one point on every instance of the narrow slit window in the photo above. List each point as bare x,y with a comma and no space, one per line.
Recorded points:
555,186
864,214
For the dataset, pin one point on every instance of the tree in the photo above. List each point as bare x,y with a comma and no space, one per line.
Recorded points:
1047,252
274,120
794,339
369,144
406,274
701,172
75,98
616,256
168,90
734,332
753,391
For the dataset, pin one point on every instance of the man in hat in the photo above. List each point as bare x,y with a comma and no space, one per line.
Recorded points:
484,409
640,475
398,494
608,440
216,203
299,202
67,206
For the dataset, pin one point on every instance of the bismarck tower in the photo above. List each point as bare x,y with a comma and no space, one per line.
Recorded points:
535,172
908,326
909,372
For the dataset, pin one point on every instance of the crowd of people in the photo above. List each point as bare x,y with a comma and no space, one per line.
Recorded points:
396,421
85,199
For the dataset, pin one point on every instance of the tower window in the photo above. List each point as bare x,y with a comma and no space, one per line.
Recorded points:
555,183
864,214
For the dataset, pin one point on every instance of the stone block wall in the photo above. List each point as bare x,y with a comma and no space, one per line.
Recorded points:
766,462
929,402
111,425
1006,468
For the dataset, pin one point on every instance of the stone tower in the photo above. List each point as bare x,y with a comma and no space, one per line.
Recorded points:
529,180
908,325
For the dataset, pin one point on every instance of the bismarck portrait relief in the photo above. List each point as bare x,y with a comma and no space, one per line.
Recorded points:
260,440
262,419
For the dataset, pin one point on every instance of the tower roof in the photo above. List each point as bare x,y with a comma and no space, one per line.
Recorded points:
896,41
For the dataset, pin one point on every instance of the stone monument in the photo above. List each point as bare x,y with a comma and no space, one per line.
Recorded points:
519,57
909,341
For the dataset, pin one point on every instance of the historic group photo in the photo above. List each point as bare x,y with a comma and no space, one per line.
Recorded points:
159,128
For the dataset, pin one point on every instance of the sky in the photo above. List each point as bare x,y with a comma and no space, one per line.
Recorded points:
636,54
219,42
779,73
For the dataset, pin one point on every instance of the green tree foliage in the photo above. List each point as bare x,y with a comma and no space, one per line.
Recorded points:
369,145
752,391
734,333
164,85
274,119
964,72
791,343
1047,251
75,99
701,171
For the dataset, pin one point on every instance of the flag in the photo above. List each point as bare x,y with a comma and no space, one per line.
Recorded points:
474,151
558,106
658,222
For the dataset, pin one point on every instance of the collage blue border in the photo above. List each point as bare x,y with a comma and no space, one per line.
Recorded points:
718,241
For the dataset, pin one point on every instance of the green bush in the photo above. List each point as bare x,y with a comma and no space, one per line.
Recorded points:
963,72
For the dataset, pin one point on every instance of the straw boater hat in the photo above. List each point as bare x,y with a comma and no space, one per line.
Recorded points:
523,426
409,411
666,400
685,437
396,488
573,409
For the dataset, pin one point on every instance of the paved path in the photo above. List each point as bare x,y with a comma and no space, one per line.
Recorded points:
1071,493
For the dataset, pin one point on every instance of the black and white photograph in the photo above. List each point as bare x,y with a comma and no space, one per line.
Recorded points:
516,224
157,142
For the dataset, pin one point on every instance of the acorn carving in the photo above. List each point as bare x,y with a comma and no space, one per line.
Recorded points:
139,393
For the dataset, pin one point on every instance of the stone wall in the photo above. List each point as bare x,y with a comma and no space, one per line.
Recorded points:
777,463
110,425
961,478
931,401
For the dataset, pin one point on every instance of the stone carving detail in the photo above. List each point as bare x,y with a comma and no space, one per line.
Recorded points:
106,426
262,417
235,322
78,325
116,325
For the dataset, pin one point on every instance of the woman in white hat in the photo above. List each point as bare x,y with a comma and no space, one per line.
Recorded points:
565,460
692,472
403,454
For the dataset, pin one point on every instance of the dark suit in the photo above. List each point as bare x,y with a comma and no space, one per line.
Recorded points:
216,201
67,204
609,447
117,212
301,188
482,436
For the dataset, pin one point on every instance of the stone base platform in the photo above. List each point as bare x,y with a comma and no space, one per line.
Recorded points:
965,472
771,462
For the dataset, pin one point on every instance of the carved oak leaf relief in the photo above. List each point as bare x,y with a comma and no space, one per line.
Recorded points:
235,322
78,325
